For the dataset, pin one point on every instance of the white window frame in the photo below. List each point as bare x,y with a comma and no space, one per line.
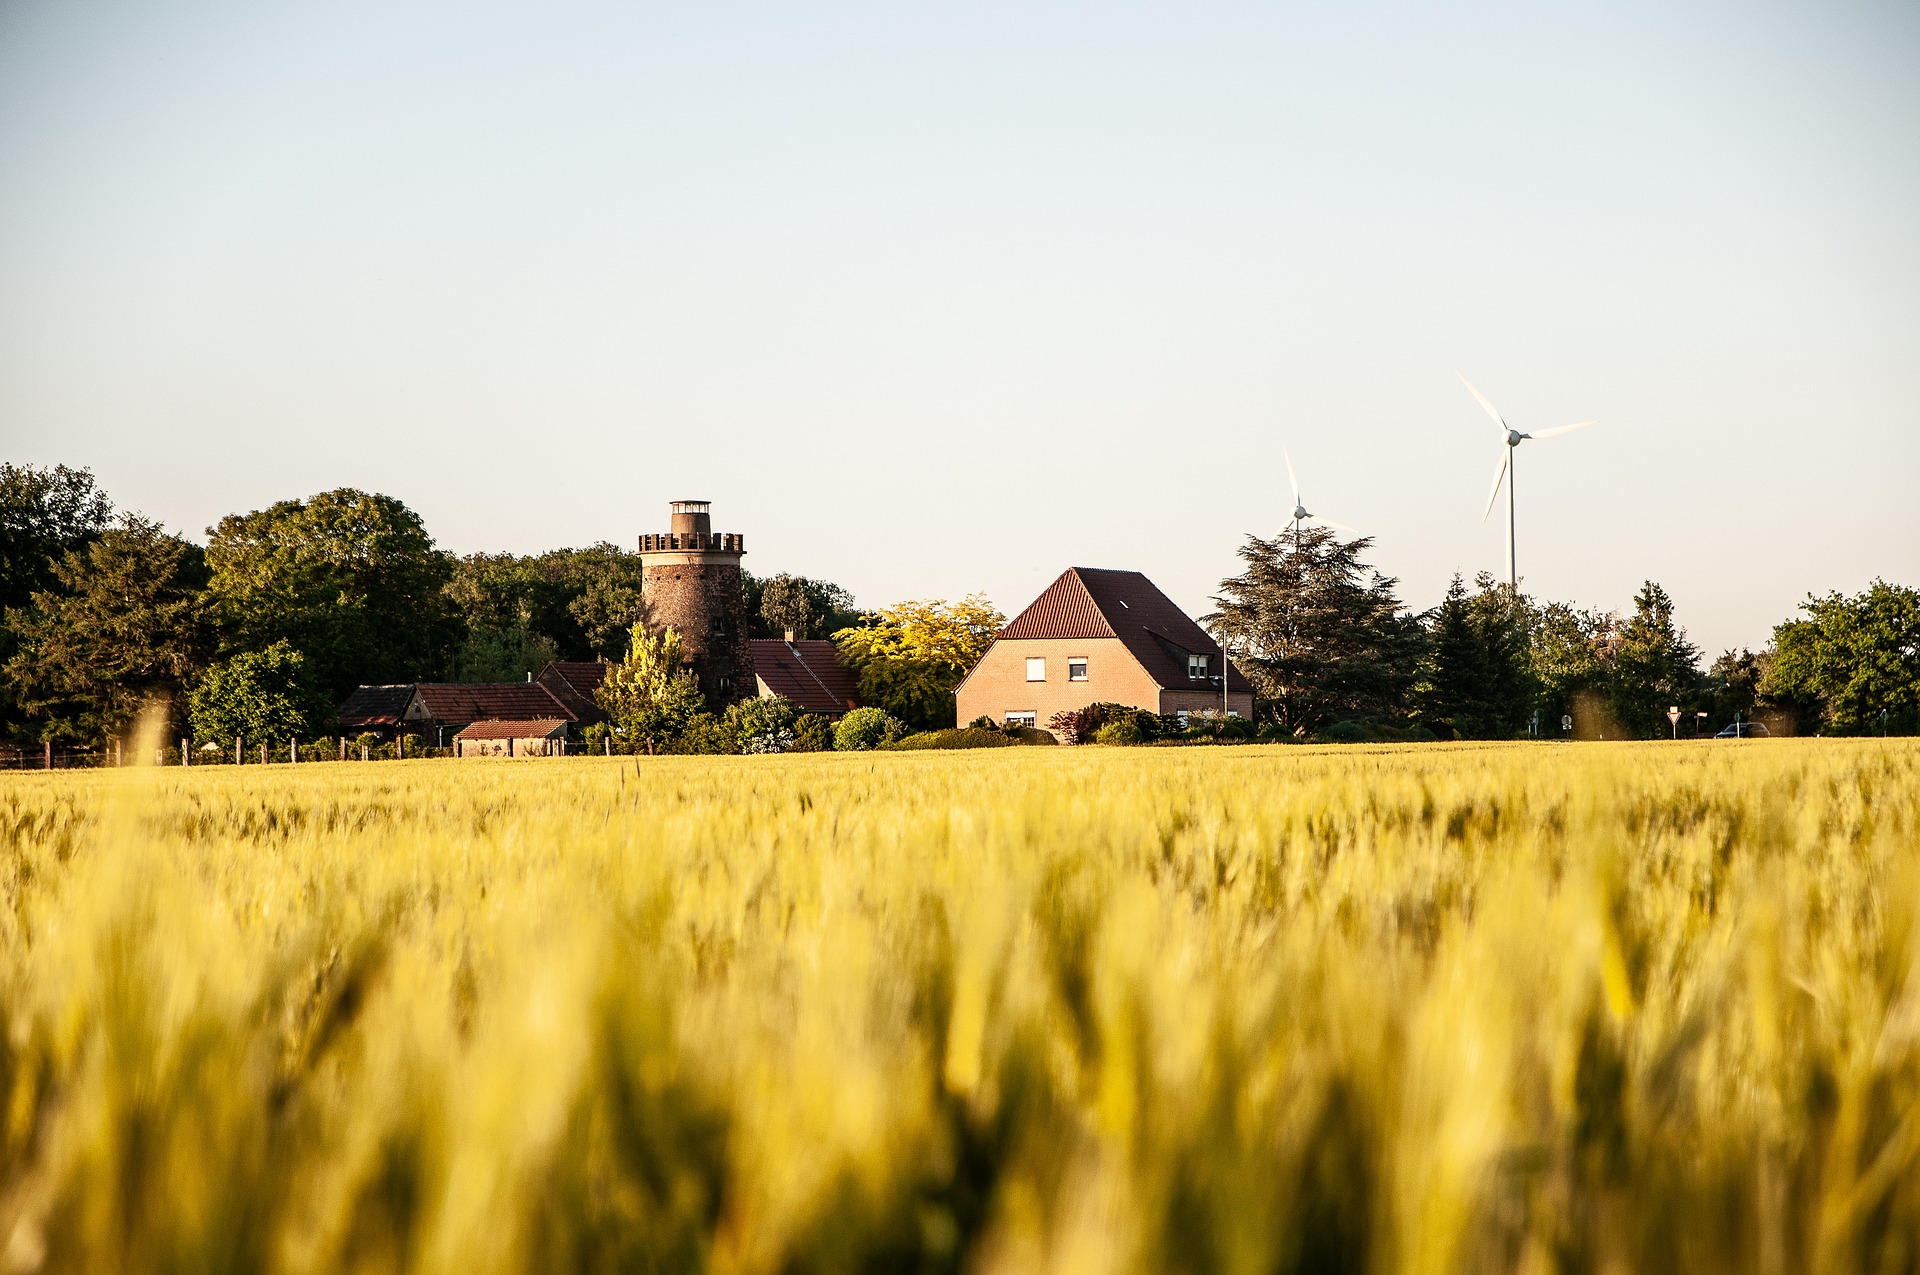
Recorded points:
1018,717
1036,663
1198,665
1077,663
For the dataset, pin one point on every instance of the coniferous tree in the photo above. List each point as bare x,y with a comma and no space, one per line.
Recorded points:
122,625
1654,666
1318,632
1478,683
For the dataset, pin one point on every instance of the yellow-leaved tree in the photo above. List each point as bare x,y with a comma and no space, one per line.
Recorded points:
651,695
910,656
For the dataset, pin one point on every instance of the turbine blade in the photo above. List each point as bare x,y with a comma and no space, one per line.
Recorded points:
1292,477
1492,411
1339,526
1498,475
1564,429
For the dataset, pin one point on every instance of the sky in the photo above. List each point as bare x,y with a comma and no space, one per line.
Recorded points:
932,298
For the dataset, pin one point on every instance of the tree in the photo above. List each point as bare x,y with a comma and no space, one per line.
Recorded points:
350,579
810,608
1571,654
1854,662
1654,667
43,514
572,604
910,657
1733,685
123,625
651,695
1318,632
1478,681
867,728
263,697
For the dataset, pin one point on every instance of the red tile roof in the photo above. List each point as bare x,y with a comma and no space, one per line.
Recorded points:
808,672
573,683
457,703
371,706
1090,602
541,728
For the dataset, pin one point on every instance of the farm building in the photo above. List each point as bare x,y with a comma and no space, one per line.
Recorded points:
546,737
1100,637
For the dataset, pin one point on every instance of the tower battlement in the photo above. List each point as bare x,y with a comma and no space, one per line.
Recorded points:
693,542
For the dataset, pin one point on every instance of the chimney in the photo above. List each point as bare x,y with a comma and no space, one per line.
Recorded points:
789,637
529,675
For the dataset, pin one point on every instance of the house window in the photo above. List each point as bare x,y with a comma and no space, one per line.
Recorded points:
1037,669
1196,666
1022,719
1076,670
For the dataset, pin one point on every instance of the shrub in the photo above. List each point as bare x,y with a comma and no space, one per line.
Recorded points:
964,737
812,734
764,725
703,734
1124,730
1345,733
867,728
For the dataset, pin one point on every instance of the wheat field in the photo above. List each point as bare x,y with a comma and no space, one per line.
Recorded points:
1420,1009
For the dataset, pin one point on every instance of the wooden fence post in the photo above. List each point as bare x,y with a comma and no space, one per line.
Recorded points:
293,750
263,754
186,753
237,760
49,744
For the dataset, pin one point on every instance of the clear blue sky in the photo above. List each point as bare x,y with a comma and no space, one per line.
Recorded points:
934,298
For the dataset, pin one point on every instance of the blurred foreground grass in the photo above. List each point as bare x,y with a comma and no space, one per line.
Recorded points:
1527,1008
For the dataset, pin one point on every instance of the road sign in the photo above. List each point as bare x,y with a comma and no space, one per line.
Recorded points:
1566,721
1673,720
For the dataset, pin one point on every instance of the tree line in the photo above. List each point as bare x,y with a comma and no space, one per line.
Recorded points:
1329,646
264,629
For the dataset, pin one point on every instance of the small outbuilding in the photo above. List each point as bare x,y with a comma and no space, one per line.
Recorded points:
543,737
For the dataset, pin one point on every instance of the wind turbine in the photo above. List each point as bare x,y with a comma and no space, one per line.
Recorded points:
1300,513
1510,438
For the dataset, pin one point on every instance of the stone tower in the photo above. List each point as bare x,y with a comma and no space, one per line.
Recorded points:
690,578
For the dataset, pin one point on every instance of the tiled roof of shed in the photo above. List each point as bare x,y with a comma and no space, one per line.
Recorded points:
1090,602
542,728
808,672
463,702
374,706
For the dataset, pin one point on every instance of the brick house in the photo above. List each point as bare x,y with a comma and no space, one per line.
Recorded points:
1094,637
545,737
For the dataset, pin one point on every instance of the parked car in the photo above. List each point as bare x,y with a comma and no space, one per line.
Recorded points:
1744,730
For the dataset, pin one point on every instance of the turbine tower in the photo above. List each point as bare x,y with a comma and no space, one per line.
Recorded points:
1300,513
1511,438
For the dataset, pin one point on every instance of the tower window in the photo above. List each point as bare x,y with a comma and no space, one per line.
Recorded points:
1037,669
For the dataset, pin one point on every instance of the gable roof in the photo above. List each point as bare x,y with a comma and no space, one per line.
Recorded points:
463,702
573,683
808,672
541,728
1093,602
374,706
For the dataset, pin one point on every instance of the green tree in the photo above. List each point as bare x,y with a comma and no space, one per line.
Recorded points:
1570,653
867,728
572,604
1853,664
1478,679
1733,686
262,697
43,514
1654,666
651,695
350,579
1318,632
122,626
910,657
810,608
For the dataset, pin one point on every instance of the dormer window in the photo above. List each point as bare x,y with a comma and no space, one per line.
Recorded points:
1196,666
